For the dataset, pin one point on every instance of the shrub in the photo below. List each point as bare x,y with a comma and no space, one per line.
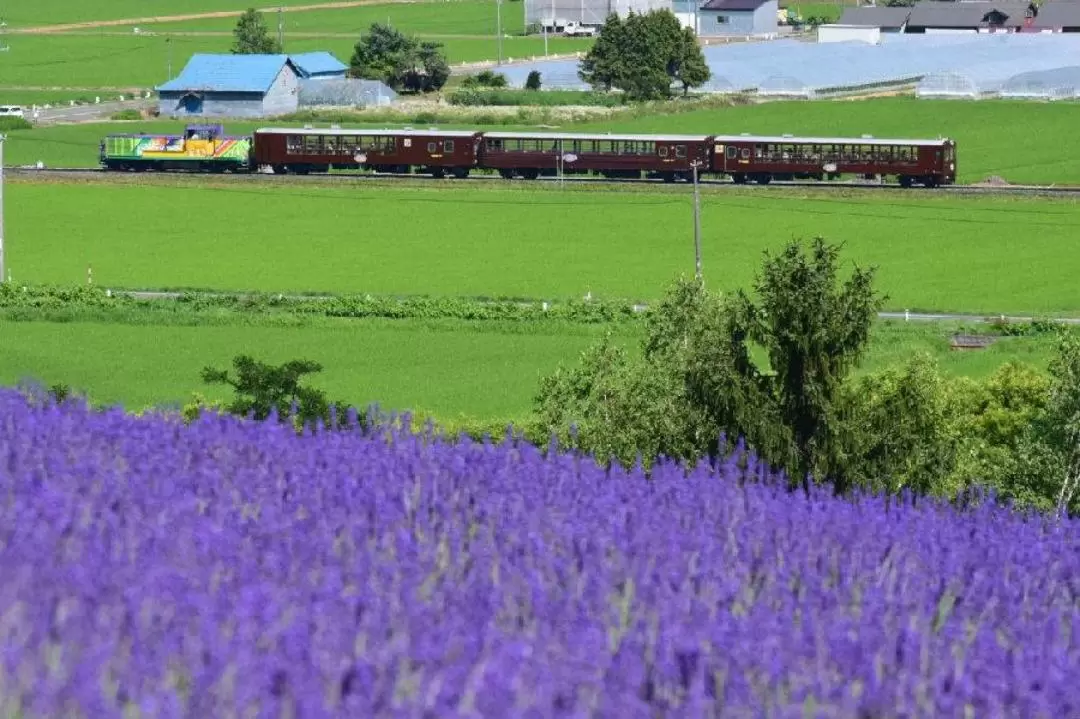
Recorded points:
533,81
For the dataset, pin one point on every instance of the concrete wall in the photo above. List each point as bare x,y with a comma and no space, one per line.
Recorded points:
848,33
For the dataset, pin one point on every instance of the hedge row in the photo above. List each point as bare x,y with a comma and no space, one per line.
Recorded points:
50,298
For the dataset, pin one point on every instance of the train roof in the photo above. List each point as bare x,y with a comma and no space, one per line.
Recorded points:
368,133
593,136
791,139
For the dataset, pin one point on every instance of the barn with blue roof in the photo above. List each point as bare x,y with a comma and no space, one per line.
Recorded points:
235,86
319,66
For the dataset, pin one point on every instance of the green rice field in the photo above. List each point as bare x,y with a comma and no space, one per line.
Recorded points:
449,369
935,252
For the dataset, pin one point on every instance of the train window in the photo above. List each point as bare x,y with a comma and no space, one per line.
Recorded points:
330,145
431,146
732,152
663,151
448,146
746,153
680,151
495,145
312,144
347,145
294,144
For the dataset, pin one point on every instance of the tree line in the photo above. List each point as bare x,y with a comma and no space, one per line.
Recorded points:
644,56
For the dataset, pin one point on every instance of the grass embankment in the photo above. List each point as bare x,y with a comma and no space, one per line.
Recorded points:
451,369
531,240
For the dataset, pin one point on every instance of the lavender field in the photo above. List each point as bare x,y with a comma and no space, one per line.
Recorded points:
228,568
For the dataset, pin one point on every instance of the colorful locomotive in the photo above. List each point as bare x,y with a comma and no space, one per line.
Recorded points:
743,158
203,148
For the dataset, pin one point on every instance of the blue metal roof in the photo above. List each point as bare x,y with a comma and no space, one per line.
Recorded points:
318,63
228,73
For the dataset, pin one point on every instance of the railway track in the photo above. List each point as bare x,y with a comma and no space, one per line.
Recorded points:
862,186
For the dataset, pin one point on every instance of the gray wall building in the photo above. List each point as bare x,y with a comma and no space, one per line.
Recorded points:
738,17
232,86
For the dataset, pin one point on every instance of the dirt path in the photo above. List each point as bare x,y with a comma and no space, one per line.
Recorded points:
46,29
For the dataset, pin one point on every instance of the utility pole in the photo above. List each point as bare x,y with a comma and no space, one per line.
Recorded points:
3,274
498,26
168,58
3,47
697,221
281,28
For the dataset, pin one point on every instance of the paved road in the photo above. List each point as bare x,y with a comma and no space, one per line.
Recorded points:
908,316
84,113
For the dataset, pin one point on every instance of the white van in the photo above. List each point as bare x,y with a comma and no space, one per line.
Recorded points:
11,111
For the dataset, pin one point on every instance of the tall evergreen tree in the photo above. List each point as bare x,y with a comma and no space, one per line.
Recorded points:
252,36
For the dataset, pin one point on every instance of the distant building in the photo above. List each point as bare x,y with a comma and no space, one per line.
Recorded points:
738,17
885,19
585,12
1058,16
232,86
319,66
970,17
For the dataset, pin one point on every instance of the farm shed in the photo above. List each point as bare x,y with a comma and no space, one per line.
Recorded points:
738,17
848,33
232,86
885,19
319,66
970,17
1058,16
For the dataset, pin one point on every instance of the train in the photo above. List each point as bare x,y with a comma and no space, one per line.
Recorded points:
744,158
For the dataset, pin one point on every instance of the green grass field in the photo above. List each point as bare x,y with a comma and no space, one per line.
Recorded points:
523,239
450,369
98,60
55,12
1017,140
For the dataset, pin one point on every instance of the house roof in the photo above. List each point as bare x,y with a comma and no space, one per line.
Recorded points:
318,63
733,5
1057,14
875,16
228,73
965,14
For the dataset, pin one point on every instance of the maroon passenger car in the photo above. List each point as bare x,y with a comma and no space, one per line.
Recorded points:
303,150
764,158
531,154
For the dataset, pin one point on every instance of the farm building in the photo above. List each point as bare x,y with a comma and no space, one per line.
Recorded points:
232,86
970,17
885,19
738,17
1058,16
319,66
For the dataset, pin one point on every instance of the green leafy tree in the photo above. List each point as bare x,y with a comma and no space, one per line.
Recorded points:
689,67
252,37
532,82
603,66
261,388
813,332
643,55
896,428
387,54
